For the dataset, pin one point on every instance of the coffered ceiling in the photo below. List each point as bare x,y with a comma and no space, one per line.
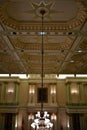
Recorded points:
64,38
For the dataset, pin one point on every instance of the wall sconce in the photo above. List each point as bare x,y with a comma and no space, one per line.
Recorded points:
31,92
74,91
10,91
68,125
31,117
53,117
16,125
53,93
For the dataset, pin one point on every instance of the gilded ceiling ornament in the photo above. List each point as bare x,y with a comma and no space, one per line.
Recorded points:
42,5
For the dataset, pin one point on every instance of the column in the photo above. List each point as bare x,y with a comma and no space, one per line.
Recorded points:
68,92
16,97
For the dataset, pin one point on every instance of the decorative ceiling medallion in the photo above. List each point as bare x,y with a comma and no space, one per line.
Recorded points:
44,6
39,9
77,21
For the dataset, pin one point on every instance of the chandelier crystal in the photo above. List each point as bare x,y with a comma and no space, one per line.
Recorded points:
42,121
42,118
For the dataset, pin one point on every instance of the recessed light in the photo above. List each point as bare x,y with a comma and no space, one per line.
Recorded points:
62,50
4,50
79,51
70,33
22,50
14,33
71,61
42,33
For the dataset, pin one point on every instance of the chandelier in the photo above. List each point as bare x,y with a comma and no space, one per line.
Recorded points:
42,118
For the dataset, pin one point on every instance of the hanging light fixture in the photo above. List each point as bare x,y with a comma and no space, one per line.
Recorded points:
42,119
